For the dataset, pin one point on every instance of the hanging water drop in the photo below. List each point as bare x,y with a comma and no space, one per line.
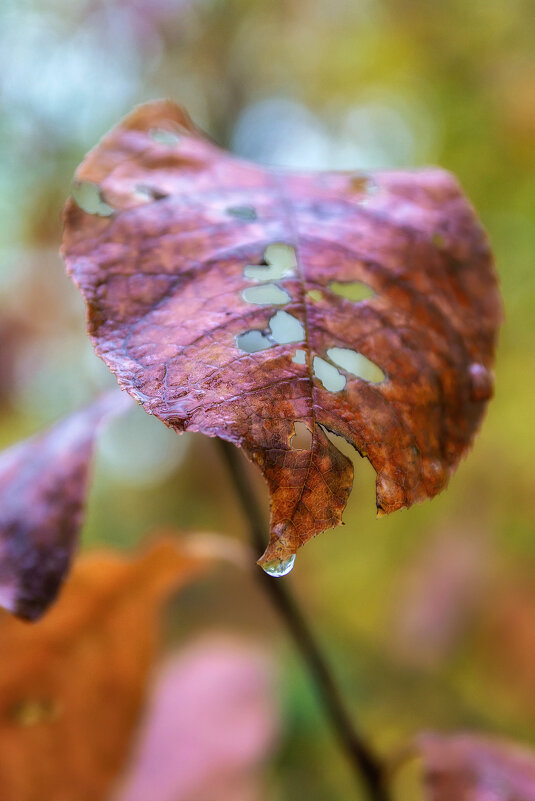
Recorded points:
279,567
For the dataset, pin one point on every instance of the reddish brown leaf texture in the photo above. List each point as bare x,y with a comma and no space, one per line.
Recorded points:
238,301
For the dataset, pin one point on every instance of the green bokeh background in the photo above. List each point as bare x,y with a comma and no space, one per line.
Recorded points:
411,608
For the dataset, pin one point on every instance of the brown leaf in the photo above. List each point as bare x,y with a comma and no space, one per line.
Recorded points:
72,685
43,486
467,767
240,301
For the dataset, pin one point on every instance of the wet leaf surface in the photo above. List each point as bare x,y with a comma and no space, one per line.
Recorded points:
72,685
43,488
172,283
465,767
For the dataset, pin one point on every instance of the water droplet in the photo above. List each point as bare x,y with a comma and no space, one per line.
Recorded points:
253,341
354,290
243,212
279,567
280,261
164,137
357,364
286,328
300,356
266,295
88,196
482,382
331,378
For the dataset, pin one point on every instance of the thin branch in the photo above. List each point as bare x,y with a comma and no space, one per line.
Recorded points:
365,763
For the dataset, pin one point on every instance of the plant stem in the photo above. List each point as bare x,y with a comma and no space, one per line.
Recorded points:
365,763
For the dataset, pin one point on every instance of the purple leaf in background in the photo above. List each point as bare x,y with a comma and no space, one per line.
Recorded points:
212,721
438,594
469,767
43,488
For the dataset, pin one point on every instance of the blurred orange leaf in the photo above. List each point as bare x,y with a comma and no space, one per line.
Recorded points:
72,685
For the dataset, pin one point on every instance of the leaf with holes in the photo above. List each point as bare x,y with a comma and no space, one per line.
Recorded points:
43,488
469,767
240,302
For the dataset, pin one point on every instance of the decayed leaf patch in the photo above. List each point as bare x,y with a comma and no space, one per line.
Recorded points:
217,296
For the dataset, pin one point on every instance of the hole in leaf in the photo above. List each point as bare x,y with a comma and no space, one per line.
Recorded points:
266,295
355,290
363,496
286,328
300,356
363,183
314,294
357,364
329,376
150,192
301,439
252,341
89,198
243,212
164,137
280,260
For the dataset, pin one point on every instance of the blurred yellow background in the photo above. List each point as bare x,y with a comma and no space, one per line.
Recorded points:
428,615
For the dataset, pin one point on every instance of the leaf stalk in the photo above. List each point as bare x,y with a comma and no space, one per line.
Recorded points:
366,765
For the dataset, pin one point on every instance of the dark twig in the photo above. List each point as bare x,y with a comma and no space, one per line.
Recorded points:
365,763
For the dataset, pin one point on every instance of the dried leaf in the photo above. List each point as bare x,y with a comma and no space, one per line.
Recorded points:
43,486
466,767
240,301
72,685
199,742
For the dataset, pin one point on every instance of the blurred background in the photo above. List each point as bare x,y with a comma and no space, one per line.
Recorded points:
428,615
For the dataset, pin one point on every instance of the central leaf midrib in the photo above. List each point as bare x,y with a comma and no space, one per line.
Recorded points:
294,234
288,206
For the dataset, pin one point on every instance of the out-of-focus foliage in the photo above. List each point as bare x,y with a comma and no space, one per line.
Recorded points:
305,83
472,768
72,685
210,724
